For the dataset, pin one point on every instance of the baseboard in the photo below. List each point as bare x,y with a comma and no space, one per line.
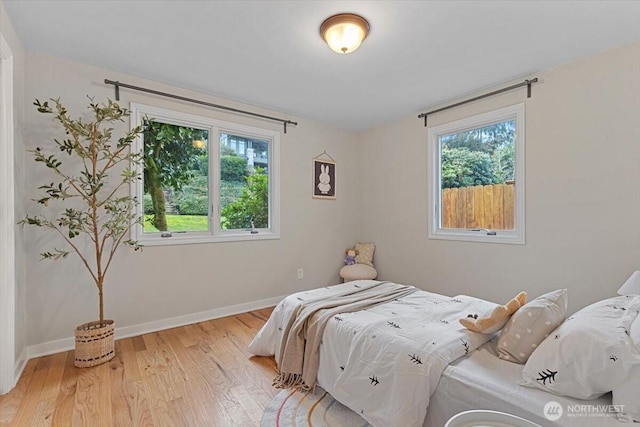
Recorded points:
66,344
19,366
21,363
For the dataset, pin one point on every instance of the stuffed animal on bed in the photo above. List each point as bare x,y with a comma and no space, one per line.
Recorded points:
351,256
493,321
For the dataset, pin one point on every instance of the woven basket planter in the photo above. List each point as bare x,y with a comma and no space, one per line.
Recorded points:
94,344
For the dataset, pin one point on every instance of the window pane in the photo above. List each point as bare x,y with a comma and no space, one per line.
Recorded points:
244,183
176,183
477,170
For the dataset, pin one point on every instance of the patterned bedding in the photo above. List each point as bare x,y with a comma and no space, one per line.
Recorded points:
385,362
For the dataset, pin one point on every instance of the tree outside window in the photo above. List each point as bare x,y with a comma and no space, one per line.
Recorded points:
200,180
477,185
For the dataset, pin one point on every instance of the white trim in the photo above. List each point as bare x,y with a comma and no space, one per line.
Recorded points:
66,344
214,128
7,223
21,363
517,236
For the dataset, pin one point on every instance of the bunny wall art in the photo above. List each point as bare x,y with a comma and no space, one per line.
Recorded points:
324,179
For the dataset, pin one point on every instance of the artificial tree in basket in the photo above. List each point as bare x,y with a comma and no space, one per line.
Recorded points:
90,205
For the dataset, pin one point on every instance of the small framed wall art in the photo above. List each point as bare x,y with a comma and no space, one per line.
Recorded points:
324,177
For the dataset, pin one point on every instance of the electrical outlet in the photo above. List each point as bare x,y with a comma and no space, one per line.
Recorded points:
300,273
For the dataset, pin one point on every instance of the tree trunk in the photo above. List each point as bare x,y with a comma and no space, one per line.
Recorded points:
157,199
101,304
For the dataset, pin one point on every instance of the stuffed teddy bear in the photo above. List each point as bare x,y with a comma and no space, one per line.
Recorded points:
496,319
351,256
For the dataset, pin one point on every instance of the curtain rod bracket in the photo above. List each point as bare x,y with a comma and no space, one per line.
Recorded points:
118,84
526,83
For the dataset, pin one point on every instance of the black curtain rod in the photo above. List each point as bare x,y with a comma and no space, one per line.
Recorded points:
118,85
526,83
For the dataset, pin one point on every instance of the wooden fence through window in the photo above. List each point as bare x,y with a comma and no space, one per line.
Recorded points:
480,206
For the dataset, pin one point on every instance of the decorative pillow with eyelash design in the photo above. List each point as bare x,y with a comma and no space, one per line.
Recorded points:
590,354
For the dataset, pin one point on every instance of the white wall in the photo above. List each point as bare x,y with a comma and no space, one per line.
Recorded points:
582,191
583,202
18,52
166,282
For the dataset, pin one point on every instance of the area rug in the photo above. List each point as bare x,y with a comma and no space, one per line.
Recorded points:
294,408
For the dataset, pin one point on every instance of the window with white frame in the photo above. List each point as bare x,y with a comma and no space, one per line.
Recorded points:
476,190
204,180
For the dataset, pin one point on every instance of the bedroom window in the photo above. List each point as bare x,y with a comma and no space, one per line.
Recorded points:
204,180
477,178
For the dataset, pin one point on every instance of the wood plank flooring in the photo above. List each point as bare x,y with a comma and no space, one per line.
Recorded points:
195,375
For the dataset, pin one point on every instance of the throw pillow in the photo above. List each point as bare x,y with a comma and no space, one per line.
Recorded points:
365,253
590,354
626,397
528,326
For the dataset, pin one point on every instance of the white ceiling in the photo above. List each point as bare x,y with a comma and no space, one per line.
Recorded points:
419,54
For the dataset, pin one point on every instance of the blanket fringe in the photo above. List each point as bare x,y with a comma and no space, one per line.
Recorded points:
290,380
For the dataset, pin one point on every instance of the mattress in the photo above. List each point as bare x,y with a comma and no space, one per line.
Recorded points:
483,381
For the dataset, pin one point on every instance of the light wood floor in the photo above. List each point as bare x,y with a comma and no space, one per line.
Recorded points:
195,375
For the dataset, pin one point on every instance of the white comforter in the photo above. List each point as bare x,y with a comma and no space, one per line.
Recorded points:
395,352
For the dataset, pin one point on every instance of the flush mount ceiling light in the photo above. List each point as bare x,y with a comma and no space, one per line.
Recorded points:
344,32
199,144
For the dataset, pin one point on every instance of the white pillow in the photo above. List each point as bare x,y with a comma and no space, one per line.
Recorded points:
590,354
634,332
627,395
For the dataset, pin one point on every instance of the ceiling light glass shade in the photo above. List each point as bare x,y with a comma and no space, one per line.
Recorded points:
199,144
344,32
631,286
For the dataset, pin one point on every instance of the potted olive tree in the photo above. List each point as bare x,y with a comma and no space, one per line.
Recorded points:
88,204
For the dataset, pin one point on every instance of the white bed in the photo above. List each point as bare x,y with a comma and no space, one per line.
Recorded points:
478,380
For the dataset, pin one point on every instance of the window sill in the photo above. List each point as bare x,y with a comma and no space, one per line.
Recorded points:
503,237
185,239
